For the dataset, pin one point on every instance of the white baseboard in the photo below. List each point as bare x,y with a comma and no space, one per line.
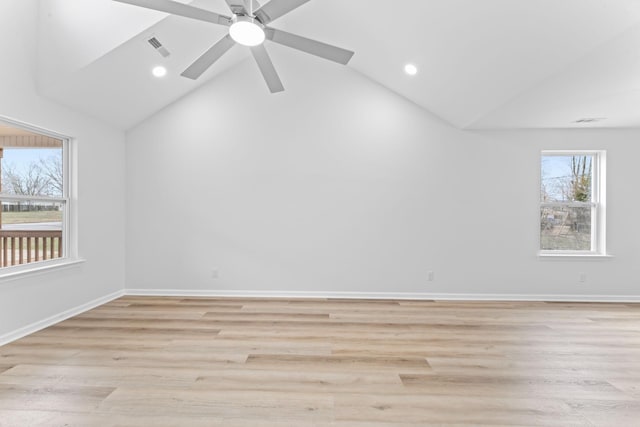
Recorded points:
36,326
382,295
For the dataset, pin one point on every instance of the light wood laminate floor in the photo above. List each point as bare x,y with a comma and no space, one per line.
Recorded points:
152,361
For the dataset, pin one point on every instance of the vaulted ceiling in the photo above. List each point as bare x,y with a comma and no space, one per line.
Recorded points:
483,64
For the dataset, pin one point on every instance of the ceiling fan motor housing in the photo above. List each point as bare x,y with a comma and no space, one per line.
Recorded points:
246,30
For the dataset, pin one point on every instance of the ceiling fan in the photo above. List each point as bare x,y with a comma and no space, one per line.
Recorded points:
248,26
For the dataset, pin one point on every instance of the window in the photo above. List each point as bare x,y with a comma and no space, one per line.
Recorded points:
33,196
572,203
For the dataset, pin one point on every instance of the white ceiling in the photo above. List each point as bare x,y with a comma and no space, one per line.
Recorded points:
482,63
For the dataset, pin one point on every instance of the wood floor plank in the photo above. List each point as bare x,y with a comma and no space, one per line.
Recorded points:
176,361
266,317
349,363
246,404
25,397
259,346
483,410
302,381
164,359
95,418
535,386
99,376
125,321
134,314
127,332
611,412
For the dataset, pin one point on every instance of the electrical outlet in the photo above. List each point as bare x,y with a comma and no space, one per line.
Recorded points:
583,277
430,276
214,274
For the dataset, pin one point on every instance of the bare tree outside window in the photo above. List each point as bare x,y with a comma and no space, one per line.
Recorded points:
581,167
42,177
52,168
32,172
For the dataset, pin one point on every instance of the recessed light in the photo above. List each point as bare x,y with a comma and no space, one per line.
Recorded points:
159,71
411,69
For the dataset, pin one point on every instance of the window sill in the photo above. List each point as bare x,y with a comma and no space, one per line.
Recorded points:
570,256
36,268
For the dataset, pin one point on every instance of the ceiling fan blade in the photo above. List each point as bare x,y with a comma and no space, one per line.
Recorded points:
180,9
208,58
276,8
267,69
314,47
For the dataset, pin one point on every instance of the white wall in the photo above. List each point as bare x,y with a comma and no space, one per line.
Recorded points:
338,185
100,172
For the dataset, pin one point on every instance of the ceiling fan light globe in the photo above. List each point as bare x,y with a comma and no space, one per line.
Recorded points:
246,32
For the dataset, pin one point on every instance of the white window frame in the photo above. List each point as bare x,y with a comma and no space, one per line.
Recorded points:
597,204
69,246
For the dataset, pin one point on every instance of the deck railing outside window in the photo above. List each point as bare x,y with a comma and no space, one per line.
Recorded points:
26,246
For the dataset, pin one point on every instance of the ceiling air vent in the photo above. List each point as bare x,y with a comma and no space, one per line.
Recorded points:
158,47
590,120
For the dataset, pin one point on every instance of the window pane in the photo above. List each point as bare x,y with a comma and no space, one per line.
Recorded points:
566,178
565,228
33,171
30,231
